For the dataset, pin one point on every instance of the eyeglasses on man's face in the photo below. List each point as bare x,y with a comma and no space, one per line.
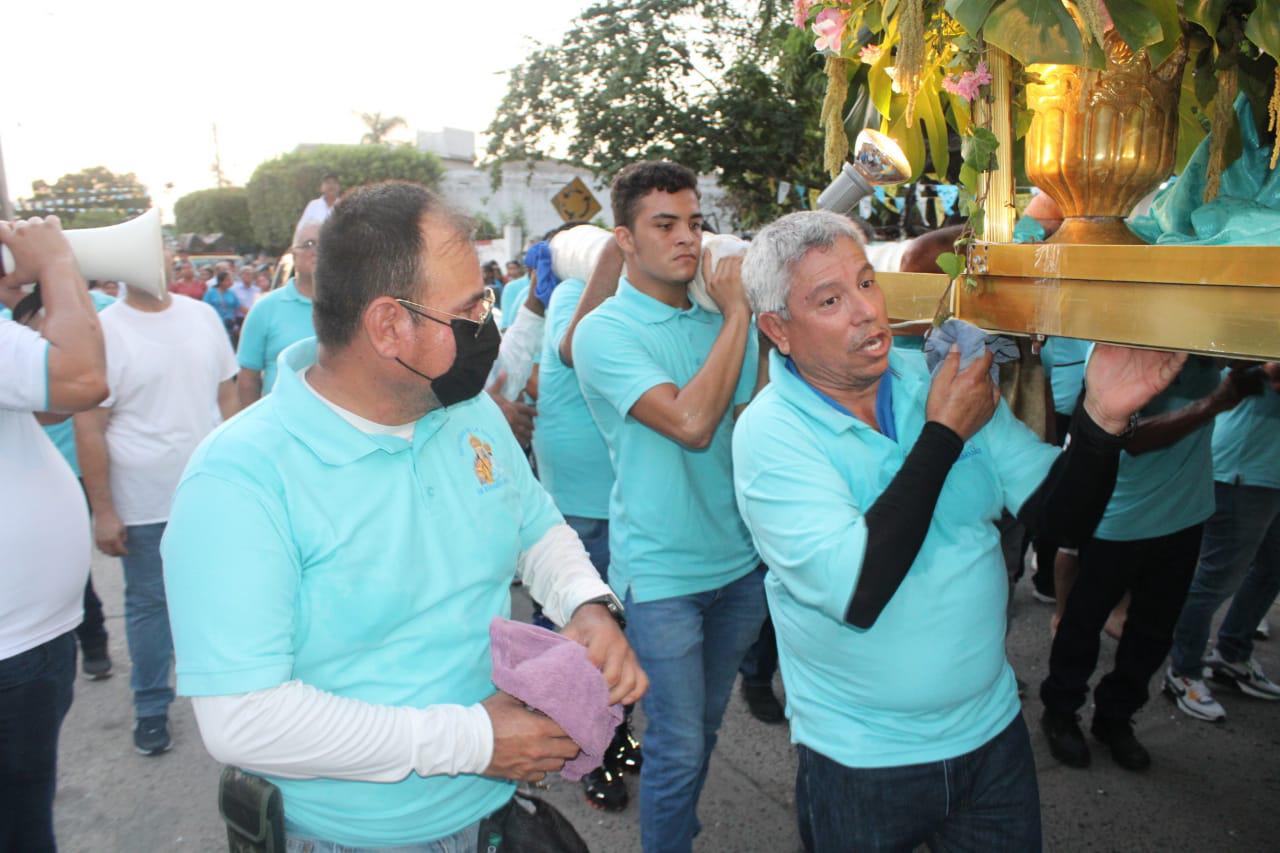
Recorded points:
486,308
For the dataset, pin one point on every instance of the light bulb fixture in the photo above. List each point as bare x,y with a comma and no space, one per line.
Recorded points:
877,161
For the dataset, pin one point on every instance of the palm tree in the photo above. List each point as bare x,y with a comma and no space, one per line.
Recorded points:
379,127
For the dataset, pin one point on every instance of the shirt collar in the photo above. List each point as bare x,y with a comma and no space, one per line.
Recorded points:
323,430
645,308
823,408
292,294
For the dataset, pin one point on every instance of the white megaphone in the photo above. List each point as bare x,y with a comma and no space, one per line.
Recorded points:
132,252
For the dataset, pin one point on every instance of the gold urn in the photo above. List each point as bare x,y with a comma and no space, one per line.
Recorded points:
1100,140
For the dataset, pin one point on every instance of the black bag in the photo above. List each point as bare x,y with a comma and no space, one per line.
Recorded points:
253,809
529,825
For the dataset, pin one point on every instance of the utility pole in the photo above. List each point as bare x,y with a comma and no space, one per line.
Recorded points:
217,160
6,206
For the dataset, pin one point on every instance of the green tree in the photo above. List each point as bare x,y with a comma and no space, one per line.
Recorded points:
97,195
484,227
281,188
224,210
722,86
379,127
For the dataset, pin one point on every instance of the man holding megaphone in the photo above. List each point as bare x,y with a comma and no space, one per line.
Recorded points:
43,519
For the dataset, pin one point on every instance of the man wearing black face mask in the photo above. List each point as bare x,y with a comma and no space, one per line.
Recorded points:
343,636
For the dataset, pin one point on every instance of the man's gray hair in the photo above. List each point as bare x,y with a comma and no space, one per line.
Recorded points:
780,245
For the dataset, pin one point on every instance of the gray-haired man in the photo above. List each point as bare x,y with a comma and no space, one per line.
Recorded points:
872,492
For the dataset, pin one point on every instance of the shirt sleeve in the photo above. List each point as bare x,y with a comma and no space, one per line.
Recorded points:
24,368
1020,458
252,354
750,368
804,520
611,361
232,598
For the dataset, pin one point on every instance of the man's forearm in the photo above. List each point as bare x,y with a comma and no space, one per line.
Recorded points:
297,731
1073,497
602,284
95,466
228,399
1160,431
77,354
248,386
707,396
559,575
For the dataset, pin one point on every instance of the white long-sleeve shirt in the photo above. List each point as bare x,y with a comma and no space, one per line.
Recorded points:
295,730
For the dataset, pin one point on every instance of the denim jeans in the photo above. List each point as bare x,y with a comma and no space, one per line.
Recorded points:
984,800
465,840
1240,556
146,621
35,694
690,646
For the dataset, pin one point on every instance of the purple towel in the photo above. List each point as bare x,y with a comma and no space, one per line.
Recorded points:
552,674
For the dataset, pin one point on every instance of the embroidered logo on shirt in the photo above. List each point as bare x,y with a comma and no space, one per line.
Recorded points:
484,459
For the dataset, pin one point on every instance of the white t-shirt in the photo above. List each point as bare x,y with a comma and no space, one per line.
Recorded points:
246,294
163,369
44,522
317,210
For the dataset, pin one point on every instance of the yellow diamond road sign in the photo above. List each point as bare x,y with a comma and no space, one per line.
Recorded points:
575,202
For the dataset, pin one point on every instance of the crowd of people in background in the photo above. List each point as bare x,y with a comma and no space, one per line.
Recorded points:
777,480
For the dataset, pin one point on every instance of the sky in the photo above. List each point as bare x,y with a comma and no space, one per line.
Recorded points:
137,85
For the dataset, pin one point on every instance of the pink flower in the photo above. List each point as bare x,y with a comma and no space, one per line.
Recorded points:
869,53
967,84
829,25
802,8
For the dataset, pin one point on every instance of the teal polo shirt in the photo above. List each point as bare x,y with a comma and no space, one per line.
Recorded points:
366,566
1064,361
1244,442
513,296
673,526
1167,490
276,320
573,461
929,680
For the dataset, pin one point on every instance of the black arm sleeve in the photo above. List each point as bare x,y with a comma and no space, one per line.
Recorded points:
1068,505
899,520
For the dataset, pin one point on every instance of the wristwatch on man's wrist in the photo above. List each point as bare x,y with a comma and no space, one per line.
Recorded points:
609,602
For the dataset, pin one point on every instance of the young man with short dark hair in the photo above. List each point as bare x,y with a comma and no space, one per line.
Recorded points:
663,379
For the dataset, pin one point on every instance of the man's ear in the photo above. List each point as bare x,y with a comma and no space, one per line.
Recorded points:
625,239
775,328
387,325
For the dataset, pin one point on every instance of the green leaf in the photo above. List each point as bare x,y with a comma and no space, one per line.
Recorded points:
1135,23
1166,12
1263,28
935,125
880,82
951,263
912,141
962,118
1035,31
1192,124
873,18
1206,13
971,14
969,179
980,149
1205,81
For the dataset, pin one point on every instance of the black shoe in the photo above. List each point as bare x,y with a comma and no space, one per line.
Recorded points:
96,664
1125,749
623,754
764,706
1042,586
151,735
605,790
1066,741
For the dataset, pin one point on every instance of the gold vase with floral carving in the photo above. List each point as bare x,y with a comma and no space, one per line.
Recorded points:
1100,140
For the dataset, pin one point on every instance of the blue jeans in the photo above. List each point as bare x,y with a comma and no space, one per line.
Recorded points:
465,840
1240,556
35,695
690,646
985,800
146,621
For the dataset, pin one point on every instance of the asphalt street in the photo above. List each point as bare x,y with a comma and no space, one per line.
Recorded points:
1211,787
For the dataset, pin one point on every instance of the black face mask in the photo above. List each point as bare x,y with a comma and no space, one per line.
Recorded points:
474,358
